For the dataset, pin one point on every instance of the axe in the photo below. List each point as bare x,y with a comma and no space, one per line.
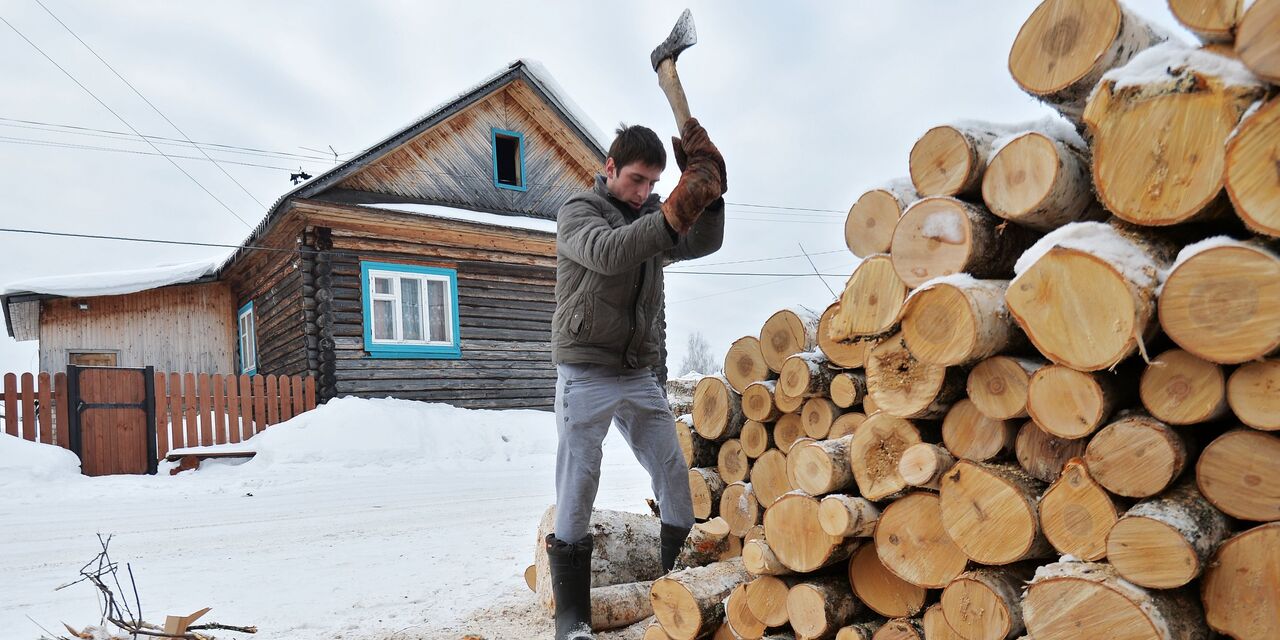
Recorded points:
683,36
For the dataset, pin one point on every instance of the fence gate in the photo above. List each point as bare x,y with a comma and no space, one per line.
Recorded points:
112,419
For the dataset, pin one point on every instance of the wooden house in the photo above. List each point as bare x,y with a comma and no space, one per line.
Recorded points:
422,268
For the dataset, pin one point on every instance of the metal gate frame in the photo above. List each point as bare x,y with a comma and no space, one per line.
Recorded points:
148,406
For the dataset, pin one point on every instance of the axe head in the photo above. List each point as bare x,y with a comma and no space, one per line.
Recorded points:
683,36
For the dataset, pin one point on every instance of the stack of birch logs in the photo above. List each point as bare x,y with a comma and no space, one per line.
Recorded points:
1047,402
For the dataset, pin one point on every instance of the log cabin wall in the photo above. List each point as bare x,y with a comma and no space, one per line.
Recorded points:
506,295
272,280
188,328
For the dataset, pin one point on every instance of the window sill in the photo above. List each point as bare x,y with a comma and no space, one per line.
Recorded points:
411,353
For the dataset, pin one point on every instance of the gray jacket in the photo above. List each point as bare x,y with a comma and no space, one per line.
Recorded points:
610,305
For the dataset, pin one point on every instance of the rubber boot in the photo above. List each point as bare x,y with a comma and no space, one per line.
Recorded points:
571,587
672,540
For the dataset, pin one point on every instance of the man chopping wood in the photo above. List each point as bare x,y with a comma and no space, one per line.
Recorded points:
608,340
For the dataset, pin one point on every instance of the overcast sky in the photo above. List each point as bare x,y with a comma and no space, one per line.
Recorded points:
811,103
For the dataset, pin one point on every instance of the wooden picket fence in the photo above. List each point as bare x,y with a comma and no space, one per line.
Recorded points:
191,409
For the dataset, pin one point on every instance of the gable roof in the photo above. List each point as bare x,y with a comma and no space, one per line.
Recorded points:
531,71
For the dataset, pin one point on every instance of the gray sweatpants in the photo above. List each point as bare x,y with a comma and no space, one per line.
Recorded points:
588,398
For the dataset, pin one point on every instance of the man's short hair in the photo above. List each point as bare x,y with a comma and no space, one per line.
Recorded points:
636,143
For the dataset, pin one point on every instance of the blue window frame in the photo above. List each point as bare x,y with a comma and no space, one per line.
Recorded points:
410,311
508,159
246,325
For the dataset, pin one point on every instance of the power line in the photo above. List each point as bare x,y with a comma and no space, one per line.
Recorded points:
121,136
247,247
126,122
798,255
778,280
149,103
85,147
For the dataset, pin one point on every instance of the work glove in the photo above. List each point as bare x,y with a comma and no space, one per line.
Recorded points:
701,178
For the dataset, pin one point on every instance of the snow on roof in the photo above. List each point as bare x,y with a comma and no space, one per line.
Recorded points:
467,215
110,283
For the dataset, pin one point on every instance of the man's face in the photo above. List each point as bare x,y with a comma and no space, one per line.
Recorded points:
633,183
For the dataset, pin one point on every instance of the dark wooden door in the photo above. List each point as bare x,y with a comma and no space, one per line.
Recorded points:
113,419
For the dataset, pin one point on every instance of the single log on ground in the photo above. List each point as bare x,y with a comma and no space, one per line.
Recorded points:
1239,585
1221,302
848,388
758,401
986,604
868,229
817,416
973,436
935,625
1136,456
1159,150
698,451
818,607
1085,294
708,542
922,465
1076,513
744,363
998,386
760,560
739,508
1211,20
717,409
756,438
1257,35
732,463
620,605
906,387
1251,182
805,375
912,542
859,630
1179,388
880,589
689,603
1239,472
875,451
959,320
737,615
1066,597
1165,542
1042,454
845,516
819,467
1073,404
625,549
767,598
900,629
787,430
1042,182
871,302
850,353
1064,48
786,332
990,511
949,160
945,236
846,424
706,486
797,539
1253,391
769,477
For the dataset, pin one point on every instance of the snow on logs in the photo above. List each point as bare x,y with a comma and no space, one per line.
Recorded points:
956,320
1159,149
941,236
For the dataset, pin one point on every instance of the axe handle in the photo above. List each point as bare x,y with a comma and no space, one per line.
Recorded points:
669,80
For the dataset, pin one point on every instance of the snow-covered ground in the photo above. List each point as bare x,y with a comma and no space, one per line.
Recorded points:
364,519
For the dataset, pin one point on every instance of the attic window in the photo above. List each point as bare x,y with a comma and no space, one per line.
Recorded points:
508,160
